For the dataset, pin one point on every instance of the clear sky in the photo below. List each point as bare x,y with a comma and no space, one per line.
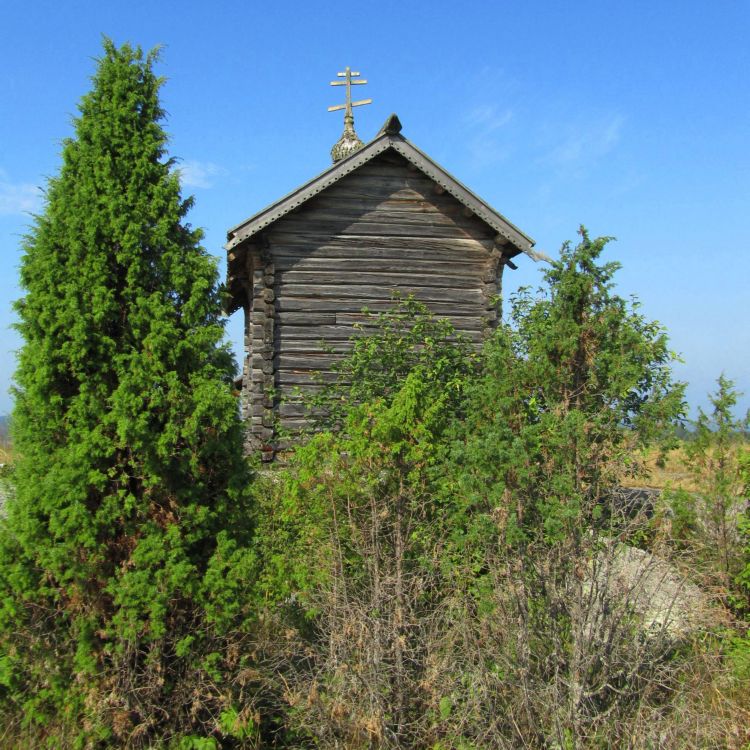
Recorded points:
632,118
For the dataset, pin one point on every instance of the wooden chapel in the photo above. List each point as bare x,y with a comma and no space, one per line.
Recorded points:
384,218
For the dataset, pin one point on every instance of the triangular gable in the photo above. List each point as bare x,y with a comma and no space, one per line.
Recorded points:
388,138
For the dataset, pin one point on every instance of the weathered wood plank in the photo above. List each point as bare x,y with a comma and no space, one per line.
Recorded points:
358,324
309,318
350,225
296,409
289,379
384,181
435,207
316,305
366,292
292,390
286,243
307,361
334,332
359,278
312,345
415,255
461,267
369,190
383,216
382,168
424,200
391,157
346,202
294,424
343,344
475,320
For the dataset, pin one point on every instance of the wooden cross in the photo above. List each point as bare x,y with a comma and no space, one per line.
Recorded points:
348,74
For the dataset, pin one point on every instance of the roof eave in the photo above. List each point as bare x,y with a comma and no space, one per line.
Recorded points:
461,193
302,194
384,140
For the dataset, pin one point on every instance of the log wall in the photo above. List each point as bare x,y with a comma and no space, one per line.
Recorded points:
384,228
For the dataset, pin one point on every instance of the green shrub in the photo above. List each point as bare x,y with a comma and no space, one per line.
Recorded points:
123,546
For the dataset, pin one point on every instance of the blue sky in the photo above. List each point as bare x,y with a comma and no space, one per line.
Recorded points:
631,118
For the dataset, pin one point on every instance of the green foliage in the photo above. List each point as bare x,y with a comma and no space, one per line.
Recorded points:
571,388
738,657
710,519
715,457
432,569
743,578
117,559
195,743
396,394
684,516
575,383
428,557
350,531
393,345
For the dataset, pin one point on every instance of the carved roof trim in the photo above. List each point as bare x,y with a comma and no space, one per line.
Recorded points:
382,142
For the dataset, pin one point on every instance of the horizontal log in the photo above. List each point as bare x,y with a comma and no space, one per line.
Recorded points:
359,325
342,342
383,167
383,216
307,361
313,345
302,303
373,191
284,242
428,204
365,292
289,379
296,409
384,181
472,266
329,201
309,318
334,226
334,332
475,320
295,424
292,391
357,278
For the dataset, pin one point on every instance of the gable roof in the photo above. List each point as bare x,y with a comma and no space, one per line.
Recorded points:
388,138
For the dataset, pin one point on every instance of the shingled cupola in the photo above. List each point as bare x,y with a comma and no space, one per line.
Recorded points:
384,218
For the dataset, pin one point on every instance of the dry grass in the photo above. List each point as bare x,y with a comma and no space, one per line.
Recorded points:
663,470
6,453
668,470
6,445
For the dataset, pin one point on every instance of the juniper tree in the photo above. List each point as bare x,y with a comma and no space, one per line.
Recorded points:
453,547
130,475
708,519
575,385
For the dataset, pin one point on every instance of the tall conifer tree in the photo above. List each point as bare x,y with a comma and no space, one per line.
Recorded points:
130,473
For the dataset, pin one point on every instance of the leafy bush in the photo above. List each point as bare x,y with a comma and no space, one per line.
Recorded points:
447,566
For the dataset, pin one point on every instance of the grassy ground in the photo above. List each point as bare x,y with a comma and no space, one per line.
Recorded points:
667,470
662,471
6,447
6,452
